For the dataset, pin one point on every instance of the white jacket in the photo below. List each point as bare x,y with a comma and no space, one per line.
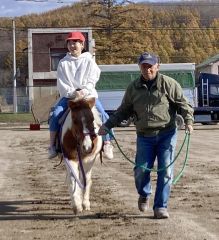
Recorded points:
77,72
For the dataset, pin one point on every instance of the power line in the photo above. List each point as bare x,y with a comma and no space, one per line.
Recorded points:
121,28
45,1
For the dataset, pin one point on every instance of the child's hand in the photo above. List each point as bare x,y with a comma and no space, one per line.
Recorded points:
79,95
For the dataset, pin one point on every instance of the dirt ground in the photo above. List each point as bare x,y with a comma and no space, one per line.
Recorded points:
34,199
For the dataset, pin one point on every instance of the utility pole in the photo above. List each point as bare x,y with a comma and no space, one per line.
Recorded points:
14,70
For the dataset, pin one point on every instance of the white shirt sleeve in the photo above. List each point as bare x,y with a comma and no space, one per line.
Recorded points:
66,89
93,76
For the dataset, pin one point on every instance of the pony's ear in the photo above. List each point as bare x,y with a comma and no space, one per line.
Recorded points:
91,101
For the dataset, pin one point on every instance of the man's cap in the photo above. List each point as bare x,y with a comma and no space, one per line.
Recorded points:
75,36
148,58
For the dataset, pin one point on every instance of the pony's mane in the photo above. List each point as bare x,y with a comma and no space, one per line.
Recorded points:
78,104
86,103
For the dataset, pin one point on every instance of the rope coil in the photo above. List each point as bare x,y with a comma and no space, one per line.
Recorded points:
179,175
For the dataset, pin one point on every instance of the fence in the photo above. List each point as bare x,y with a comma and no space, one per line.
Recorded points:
25,97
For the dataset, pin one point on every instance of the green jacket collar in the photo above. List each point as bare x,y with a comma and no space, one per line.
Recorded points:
139,82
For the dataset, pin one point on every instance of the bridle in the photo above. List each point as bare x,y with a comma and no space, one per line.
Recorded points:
91,133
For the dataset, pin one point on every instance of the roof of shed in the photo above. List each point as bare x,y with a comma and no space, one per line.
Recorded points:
210,60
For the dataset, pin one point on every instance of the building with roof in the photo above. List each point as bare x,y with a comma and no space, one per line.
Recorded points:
211,65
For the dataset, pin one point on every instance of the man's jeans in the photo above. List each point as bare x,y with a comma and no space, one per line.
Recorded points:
162,148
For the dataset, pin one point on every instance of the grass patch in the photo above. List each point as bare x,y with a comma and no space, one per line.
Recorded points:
16,118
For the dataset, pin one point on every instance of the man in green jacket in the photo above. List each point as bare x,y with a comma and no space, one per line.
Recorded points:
154,99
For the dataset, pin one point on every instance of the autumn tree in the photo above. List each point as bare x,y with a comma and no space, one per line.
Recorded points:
110,21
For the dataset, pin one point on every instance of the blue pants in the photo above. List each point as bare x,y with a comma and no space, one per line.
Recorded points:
60,107
161,147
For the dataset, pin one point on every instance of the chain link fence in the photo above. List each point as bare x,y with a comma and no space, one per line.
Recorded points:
24,98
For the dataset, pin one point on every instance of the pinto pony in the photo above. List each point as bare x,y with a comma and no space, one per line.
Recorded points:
81,146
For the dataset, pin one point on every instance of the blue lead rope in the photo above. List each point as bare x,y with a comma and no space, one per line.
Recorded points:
179,175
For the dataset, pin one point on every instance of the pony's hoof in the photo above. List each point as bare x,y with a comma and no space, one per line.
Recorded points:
86,206
77,210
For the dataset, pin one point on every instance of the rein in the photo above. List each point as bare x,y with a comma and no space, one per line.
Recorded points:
83,186
66,160
176,179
